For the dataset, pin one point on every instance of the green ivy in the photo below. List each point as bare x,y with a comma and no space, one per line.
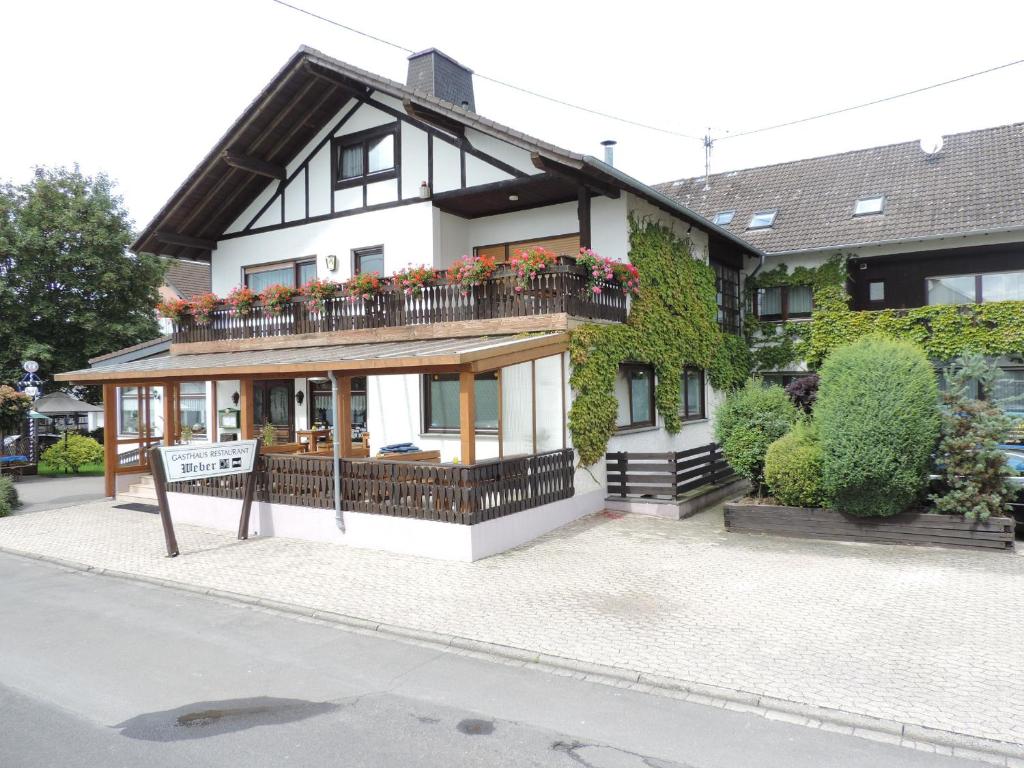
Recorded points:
673,323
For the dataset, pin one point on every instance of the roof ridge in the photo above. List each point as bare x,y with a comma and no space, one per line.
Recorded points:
833,155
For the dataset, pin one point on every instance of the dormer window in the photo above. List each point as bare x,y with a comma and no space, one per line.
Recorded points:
762,220
869,205
723,218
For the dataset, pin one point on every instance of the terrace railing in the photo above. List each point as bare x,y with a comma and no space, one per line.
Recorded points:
665,475
453,493
560,288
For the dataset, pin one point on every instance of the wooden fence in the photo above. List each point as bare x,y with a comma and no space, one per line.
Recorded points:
665,475
560,288
464,494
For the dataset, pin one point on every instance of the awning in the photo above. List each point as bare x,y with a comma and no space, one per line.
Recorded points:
479,353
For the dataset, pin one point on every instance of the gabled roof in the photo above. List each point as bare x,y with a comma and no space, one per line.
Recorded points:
188,278
292,109
974,184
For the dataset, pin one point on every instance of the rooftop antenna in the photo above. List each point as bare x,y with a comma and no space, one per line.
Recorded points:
708,144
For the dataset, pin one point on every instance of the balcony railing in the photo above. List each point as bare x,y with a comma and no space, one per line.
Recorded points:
561,288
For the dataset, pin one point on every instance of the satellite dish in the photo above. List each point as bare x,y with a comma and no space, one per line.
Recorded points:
931,145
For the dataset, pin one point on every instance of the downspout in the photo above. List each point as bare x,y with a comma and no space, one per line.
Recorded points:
337,455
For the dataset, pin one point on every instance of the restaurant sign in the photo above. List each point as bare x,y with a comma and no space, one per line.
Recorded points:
194,462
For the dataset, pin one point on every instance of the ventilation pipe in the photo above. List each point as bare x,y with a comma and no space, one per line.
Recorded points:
609,151
338,520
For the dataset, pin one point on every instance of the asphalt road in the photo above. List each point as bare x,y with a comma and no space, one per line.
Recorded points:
97,671
37,492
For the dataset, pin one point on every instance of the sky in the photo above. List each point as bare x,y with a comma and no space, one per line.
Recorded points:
142,90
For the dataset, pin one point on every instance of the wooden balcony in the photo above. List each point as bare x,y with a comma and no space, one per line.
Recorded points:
563,288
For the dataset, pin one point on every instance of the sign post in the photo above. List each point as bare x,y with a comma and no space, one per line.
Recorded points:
174,463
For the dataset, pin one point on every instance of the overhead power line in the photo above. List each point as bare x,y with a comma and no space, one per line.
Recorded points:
497,81
870,103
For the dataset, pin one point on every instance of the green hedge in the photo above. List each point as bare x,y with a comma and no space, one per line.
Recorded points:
8,496
792,467
878,419
750,420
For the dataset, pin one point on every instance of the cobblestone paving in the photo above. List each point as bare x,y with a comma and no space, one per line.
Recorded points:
919,635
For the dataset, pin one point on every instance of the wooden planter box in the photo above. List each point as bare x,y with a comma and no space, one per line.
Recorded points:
924,528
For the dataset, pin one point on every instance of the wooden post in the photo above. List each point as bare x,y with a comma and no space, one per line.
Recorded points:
145,424
467,416
250,492
211,409
583,215
109,439
247,405
169,414
343,415
156,463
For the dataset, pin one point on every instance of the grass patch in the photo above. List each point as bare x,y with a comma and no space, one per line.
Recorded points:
86,470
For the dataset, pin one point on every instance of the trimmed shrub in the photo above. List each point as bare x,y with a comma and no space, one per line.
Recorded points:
73,452
8,496
751,419
792,467
878,421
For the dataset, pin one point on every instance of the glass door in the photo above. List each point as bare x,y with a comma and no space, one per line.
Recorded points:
273,402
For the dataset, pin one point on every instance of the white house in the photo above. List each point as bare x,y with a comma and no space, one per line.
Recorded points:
333,171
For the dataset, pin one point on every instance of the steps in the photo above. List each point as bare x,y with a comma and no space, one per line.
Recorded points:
143,491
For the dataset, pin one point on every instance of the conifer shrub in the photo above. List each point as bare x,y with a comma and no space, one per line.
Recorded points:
792,467
752,418
877,414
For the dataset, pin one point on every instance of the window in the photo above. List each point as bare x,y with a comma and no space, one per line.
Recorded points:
727,287
291,273
976,289
691,394
876,290
723,218
762,220
129,416
366,156
321,403
634,388
441,402
192,407
869,205
782,379
368,260
783,302
562,245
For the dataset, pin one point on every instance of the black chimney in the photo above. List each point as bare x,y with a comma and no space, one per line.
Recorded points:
442,76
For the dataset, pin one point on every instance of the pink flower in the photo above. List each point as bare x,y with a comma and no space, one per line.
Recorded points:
597,289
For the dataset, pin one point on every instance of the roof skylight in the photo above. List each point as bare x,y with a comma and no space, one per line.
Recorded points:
868,205
762,220
722,218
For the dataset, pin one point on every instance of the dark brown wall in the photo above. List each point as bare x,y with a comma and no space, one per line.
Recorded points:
904,275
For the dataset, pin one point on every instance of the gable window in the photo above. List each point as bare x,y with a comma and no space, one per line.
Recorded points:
783,302
365,260
291,273
869,205
691,394
723,218
366,156
441,402
976,289
727,288
634,389
762,220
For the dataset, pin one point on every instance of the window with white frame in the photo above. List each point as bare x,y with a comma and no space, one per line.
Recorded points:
762,220
634,389
691,394
866,206
976,289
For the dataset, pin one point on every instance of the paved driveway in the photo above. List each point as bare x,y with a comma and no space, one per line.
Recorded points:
917,635
38,493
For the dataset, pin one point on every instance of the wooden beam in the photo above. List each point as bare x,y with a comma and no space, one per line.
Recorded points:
598,186
467,417
247,405
169,415
186,241
446,124
109,439
343,415
253,165
583,215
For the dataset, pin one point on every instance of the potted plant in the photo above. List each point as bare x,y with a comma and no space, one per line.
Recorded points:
470,271
277,298
599,268
186,434
526,265
628,277
242,300
317,291
412,280
175,310
364,286
203,306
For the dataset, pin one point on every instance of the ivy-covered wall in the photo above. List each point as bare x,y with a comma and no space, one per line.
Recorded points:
942,331
673,323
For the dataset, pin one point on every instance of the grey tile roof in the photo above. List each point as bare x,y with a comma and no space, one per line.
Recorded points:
188,278
974,184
